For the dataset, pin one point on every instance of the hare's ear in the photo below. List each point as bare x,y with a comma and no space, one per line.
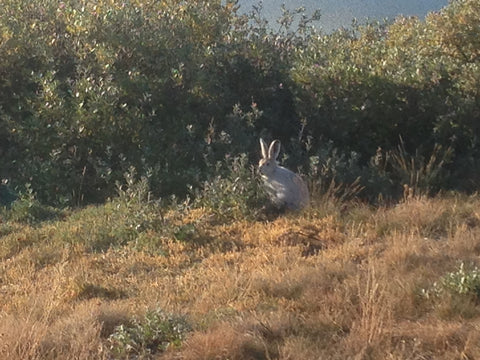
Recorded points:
264,147
274,149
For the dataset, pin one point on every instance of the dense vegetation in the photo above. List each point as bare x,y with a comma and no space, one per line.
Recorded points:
148,114
90,89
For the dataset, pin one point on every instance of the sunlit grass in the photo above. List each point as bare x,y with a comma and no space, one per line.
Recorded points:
334,282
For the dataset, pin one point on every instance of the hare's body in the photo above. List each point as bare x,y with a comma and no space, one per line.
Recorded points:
286,189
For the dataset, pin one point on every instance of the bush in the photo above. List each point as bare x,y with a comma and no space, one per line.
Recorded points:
236,193
365,88
465,281
171,88
457,293
155,333
28,209
103,87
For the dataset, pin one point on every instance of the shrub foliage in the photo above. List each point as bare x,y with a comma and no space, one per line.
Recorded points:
90,89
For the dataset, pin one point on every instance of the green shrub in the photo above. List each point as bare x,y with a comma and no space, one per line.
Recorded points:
235,193
153,334
335,175
457,293
29,210
121,221
91,89
465,281
104,87
365,87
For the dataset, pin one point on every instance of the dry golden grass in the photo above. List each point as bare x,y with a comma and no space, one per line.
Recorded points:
341,282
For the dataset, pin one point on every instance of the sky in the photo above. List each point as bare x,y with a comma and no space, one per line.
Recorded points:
338,13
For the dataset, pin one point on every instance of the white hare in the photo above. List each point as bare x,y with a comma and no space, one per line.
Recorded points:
286,189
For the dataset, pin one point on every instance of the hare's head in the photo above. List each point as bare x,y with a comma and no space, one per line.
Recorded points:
268,163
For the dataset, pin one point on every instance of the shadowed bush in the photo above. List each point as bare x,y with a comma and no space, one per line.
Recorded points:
171,88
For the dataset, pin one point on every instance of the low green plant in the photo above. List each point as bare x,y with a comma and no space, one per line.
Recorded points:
134,198
463,282
235,193
456,294
28,209
123,220
154,333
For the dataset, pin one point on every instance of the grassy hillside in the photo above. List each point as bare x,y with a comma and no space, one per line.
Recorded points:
128,131
136,279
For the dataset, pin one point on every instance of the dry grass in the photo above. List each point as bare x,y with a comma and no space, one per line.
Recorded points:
341,282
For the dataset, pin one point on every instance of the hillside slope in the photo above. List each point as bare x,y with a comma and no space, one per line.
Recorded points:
339,281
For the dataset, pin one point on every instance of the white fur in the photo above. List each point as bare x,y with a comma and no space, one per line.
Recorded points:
286,189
